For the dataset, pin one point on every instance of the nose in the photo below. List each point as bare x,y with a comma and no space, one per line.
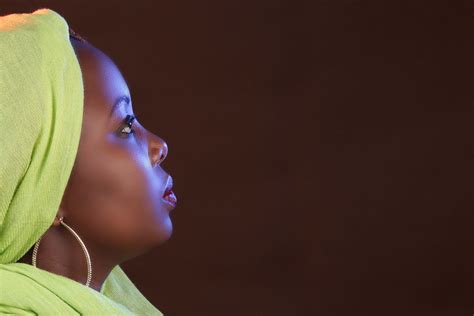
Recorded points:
158,149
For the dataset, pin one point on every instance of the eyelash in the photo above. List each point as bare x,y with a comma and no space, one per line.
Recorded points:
128,121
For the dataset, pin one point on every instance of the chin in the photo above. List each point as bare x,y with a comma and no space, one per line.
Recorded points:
164,232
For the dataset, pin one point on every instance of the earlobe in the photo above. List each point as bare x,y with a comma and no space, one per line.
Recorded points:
59,215
56,221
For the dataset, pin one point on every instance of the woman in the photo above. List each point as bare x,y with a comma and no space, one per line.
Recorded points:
82,186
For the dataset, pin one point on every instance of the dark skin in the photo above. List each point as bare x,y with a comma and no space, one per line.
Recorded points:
113,199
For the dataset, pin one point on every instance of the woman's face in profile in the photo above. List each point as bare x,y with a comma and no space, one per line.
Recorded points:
115,193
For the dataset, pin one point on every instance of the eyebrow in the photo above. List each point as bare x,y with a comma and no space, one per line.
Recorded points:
120,100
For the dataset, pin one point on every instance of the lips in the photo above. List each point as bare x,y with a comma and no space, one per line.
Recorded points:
169,195
169,186
171,198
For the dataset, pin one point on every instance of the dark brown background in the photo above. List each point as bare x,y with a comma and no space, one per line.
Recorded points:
322,151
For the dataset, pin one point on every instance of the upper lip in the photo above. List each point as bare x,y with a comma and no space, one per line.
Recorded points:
169,186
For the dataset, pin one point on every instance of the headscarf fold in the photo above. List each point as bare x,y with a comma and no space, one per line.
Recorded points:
41,112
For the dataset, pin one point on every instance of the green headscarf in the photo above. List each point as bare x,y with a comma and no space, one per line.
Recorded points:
41,111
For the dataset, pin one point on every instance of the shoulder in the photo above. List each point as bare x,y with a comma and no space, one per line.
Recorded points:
22,295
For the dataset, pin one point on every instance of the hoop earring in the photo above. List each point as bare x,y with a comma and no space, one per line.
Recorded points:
88,259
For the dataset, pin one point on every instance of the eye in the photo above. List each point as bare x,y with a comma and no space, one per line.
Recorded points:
127,125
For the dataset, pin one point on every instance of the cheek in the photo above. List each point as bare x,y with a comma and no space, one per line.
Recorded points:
116,200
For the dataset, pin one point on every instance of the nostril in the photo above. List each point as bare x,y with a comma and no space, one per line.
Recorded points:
156,162
158,149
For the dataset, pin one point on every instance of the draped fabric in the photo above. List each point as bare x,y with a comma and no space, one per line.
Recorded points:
41,112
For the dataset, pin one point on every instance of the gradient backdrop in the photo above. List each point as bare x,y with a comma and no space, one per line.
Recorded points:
322,151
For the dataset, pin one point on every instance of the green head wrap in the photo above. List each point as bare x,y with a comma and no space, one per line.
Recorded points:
41,108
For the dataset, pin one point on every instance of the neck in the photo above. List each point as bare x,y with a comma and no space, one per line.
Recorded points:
60,253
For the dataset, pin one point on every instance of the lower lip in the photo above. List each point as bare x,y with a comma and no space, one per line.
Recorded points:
171,199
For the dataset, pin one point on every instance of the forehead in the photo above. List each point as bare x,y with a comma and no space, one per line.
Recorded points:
103,82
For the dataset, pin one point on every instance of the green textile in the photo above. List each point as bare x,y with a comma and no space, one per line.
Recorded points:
41,112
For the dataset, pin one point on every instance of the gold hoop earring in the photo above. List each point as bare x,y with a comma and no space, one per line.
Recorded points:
88,258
